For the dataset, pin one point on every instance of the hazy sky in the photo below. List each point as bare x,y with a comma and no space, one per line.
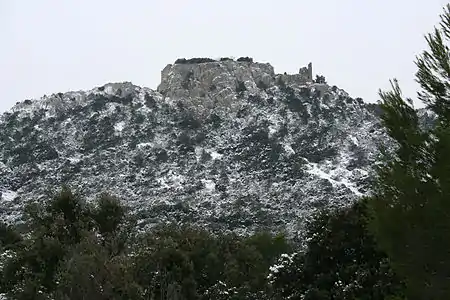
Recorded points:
50,46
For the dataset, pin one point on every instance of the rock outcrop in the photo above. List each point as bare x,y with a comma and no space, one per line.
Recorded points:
213,84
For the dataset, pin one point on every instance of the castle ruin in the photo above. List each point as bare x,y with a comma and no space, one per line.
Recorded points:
201,77
306,72
303,76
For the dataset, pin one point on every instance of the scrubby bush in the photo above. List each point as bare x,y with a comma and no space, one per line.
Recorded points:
195,60
71,249
359,100
212,87
76,250
342,261
261,85
320,79
245,59
240,88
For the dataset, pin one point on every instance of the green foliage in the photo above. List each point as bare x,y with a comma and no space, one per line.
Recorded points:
359,100
188,120
9,237
149,101
108,215
261,85
102,136
342,261
374,108
90,272
185,143
240,88
57,227
434,70
202,264
320,79
75,250
195,60
245,59
411,204
295,103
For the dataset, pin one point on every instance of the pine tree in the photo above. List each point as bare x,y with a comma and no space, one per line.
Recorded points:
112,222
411,202
54,228
9,237
341,262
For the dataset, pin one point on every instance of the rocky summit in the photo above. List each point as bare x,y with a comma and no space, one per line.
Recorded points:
227,144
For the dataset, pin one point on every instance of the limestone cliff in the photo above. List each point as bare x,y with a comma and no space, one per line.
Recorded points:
216,83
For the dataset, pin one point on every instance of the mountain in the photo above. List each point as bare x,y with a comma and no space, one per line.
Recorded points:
222,143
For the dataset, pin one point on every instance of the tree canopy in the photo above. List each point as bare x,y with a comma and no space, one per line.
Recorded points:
411,202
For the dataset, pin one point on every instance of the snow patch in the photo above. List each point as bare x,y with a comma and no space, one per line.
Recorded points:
74,159
272,130
8,195
210,185
143,145
172,181
118,127
109,90
354,140
274,127
288,149
314,169
215,155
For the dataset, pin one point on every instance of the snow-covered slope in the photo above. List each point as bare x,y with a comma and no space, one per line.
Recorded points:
231,145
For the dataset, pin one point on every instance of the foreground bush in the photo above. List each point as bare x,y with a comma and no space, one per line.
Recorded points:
76,250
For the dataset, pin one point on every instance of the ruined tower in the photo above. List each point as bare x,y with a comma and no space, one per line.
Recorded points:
306,73
310,74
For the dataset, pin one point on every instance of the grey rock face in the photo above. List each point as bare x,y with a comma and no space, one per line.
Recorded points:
216,84
306,72
222,144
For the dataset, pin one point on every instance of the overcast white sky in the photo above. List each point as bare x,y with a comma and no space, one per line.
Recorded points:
50,46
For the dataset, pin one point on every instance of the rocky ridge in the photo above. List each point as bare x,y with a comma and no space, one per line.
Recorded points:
226,144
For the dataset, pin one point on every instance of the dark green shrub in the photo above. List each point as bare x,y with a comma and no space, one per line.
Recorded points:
245,59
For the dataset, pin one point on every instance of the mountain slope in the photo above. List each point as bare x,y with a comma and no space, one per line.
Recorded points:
226,144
